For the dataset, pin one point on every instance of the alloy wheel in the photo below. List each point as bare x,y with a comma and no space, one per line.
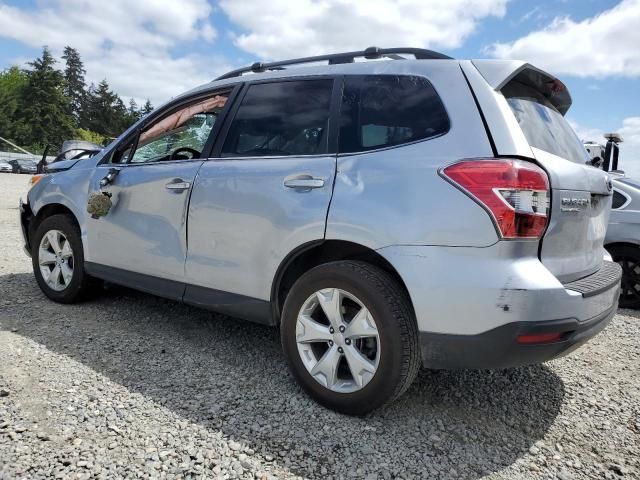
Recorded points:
55,258
338,340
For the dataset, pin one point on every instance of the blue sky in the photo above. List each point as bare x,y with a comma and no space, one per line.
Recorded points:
156,49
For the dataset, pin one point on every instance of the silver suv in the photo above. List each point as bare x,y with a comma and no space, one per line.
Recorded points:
386,215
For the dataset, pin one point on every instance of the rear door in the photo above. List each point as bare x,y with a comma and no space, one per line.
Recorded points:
572,246
265,193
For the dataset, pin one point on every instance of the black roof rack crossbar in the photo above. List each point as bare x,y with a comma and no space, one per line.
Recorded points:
370,53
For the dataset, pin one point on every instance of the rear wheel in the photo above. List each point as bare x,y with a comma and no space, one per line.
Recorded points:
350,336
628,257
58,260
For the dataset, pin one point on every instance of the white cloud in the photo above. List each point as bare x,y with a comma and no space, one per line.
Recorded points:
605,45
127,42
535,14
284,29
629,149
159,77
587,134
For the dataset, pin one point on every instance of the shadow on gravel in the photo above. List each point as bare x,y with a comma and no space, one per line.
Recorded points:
230,375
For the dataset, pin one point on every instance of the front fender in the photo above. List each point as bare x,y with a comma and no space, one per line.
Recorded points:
69,189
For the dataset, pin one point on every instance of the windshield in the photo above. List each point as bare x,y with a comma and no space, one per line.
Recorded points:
543,126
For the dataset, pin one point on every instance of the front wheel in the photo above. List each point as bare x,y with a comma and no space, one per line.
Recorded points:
350,336
58,259
628,257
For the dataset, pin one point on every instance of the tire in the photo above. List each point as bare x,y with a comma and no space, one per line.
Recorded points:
391,365
66,289
628,257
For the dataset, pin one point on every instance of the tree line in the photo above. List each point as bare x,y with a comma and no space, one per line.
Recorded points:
42,105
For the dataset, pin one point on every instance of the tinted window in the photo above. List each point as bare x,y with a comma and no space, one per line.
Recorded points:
385,110
618,199
281,118
543,126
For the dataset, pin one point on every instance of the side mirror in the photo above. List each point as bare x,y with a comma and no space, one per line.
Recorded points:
40,167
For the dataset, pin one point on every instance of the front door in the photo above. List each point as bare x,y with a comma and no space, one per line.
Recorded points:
266,194
144,232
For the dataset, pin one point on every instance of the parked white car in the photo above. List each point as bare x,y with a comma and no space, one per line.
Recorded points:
5,167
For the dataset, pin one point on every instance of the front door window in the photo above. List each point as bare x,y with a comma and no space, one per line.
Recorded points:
181,135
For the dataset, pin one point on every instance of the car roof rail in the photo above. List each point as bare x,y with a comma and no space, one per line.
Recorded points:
371,53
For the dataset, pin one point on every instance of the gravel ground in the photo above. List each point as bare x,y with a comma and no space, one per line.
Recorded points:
130,385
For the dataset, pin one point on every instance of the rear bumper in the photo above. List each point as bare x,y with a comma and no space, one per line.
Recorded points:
471,304
499,348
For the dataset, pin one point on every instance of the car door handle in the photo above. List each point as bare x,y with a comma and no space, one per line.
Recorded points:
303,181
177,184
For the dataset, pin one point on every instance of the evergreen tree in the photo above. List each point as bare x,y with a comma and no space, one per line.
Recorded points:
43,105
44,117
146,108
12,84
104,112
86,113
74,87
134,111
120,116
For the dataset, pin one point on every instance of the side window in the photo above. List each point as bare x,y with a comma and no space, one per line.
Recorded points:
123,152
618,200
281,118
385,110
181,135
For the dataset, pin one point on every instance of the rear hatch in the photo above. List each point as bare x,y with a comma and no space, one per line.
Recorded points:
572,246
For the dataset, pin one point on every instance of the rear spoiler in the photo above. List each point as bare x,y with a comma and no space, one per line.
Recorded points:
498,73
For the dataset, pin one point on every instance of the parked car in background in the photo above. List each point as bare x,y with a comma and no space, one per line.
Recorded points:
23,166
623,236
623,232
5,167
387,215
596,153
70,152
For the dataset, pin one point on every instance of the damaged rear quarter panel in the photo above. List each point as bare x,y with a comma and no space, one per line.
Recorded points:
395,196
469,290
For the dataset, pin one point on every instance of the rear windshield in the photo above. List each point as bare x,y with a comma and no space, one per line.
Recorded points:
543,126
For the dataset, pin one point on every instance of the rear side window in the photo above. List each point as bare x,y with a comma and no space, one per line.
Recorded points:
543,126
385,110
281,118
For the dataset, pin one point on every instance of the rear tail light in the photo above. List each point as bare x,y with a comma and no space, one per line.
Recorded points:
514,192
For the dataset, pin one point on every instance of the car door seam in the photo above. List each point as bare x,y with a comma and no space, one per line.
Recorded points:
186,222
